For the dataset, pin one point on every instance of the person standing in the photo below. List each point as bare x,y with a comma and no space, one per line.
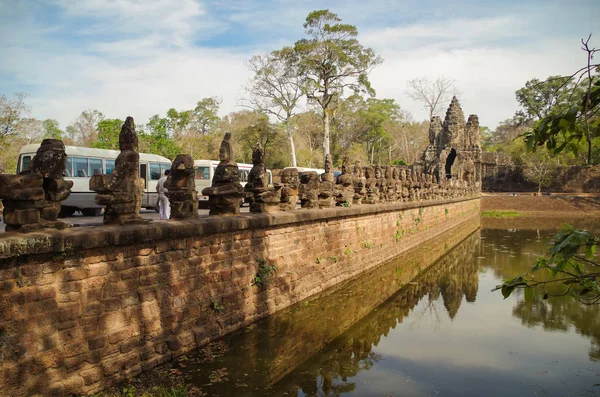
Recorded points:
163,200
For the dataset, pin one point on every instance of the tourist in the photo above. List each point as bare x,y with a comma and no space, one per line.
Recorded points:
163,201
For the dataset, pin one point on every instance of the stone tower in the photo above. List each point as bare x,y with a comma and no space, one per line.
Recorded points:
454,150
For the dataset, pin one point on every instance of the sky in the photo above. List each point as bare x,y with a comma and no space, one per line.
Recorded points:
142,57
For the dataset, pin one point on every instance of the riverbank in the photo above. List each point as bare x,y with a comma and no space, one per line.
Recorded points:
541,206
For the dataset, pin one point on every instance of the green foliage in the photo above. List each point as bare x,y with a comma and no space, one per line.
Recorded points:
345,204
108,134
399,234
571,261
332,60
446,211
318,260
398,162
51,129
367,245
334,259
155,138
216,305
349,251
264,273
500,214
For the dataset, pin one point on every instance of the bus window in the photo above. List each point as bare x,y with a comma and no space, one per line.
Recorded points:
202,173
69,170
110,166
26,161
164,167
80,166
94,167
243,176
155,171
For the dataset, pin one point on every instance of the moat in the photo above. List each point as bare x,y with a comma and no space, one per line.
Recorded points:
389,333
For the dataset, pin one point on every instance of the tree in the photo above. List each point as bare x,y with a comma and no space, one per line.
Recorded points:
539,99
83,131
52,130
108,134
571,262
567,127
332,60
434,95
155,138
205,114
11,113
30,130
540,168
307,128
275,88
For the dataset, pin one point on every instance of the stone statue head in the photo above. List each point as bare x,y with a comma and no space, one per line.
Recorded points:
403,174
358,169
377,171
226,151
258,154
345,165
289,176
128,139
328,163
369,173
50,159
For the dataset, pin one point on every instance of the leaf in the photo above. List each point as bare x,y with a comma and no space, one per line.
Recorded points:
507,290
590,251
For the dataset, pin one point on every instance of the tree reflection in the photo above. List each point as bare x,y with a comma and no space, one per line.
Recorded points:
559,313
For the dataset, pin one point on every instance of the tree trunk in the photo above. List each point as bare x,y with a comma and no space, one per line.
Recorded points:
540,188
291,138
325,133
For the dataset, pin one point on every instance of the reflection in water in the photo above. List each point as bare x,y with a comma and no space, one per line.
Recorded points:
553,314
412,329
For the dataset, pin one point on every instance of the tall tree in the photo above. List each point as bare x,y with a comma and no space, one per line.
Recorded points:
539,99
331,59
434,95
84,130
156,138
108,134
52,130
539,168
205,114
568,126
275,88
11,113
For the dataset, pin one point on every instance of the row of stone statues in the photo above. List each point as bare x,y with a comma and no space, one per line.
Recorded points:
32,198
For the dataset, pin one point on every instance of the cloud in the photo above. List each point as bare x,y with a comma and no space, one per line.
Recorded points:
142,57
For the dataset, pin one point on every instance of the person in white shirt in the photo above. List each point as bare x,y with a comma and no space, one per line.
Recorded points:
163,200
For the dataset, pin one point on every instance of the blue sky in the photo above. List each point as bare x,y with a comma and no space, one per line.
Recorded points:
142,57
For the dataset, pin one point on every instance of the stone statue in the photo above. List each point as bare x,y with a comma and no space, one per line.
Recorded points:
121,192
32,198
390,185
226,194
262,197
326,187
309,190
359,182
181,188
344,185
381,184
289,189
372,196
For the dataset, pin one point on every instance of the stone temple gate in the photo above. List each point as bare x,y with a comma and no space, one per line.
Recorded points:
454,150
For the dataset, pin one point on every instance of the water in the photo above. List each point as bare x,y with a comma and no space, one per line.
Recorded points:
442,334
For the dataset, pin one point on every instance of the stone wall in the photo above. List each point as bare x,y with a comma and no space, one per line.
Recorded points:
500,175
84,308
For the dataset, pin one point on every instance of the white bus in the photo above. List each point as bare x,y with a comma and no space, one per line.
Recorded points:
205,171
82,162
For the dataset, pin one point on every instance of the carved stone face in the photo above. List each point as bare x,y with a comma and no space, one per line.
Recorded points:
377,172
290,176
258,156
328,164
223,152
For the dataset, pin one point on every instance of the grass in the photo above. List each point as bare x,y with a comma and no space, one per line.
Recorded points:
500,214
